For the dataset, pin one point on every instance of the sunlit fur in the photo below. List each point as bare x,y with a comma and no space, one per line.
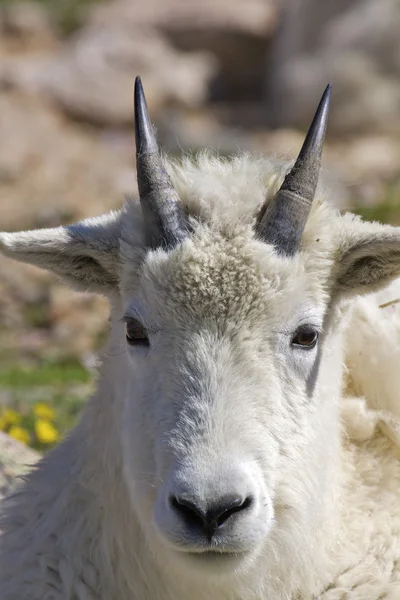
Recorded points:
221,388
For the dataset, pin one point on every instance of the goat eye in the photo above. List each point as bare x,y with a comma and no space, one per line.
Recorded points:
305,337
136,334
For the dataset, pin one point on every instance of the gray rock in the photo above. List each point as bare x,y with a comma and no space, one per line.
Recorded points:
92,76
352,44
185,51
24,19
236,33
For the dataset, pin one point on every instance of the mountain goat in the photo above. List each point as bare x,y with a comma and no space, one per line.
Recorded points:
213,462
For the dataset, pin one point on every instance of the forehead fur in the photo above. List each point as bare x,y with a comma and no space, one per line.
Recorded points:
227,274
223,198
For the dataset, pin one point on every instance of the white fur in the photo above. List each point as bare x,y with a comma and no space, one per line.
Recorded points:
222,399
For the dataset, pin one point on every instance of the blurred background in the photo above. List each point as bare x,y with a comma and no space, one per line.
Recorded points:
230,74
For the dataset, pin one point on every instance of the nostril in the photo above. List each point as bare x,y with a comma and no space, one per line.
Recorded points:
230,506
188,510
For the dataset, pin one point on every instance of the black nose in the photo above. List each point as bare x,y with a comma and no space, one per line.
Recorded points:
214,516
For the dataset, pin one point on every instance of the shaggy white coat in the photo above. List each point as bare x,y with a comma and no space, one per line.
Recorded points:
78,527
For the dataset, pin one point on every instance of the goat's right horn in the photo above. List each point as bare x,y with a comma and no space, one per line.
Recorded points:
162,208
283,221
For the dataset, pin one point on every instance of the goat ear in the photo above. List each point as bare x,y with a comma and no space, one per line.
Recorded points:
85,254
368,257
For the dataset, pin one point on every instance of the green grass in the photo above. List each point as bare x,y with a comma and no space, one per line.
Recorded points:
386,211
67,15
45,374
64,386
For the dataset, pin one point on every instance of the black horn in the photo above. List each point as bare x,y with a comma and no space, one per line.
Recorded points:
162,208
283,221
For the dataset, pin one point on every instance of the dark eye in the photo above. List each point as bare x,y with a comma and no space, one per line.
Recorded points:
136,334
305,337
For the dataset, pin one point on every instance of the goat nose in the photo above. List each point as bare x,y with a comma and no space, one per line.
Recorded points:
210,519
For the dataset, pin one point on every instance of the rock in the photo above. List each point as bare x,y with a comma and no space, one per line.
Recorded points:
16,459
92,77
52,171
366,158
355,46
181,14
185,51
25,19
25,26
237,35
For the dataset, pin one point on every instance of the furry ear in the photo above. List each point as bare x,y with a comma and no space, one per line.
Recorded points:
368,256
85,254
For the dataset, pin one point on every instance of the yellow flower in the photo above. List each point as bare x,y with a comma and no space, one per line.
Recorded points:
3,423
19,433
43,411
10,416
46,432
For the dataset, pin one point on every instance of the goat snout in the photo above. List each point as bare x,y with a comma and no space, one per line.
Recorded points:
219,507
210,518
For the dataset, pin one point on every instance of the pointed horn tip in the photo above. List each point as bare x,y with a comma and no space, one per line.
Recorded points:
314,140
138,84
139,96
146,142
325,98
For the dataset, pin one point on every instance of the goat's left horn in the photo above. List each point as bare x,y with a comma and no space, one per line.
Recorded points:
283,221
162,208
